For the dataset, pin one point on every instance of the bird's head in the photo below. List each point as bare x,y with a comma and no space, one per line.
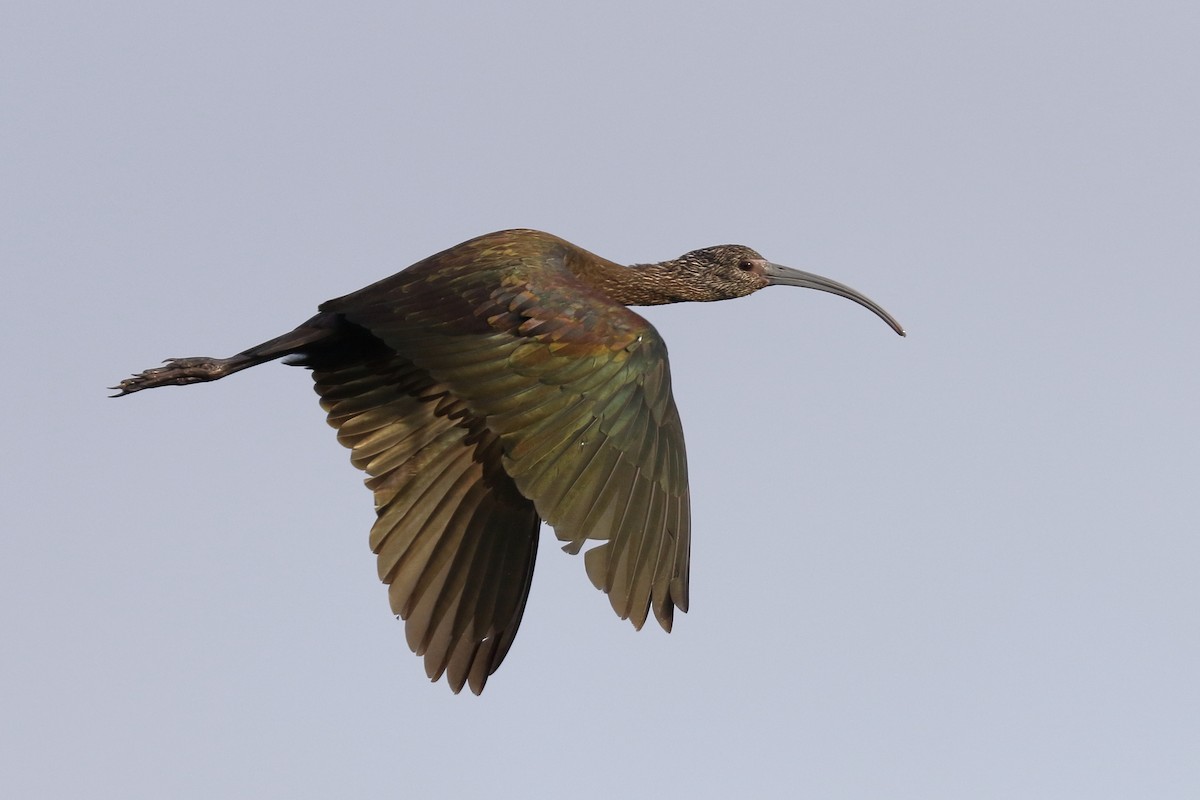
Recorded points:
722,272
733,270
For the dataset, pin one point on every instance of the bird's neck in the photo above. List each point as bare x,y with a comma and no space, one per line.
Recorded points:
639,284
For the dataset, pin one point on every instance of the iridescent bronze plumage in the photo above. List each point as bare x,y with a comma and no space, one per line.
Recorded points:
496,385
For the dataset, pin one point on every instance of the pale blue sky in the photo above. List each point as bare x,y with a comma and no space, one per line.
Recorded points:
958,565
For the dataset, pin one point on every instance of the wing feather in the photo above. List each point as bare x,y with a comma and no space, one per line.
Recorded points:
451,526
575,388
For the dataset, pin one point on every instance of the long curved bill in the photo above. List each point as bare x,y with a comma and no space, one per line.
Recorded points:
779,275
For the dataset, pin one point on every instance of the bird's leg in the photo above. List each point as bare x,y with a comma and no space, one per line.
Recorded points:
182,371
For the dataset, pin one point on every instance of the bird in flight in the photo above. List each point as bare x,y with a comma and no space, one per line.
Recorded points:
496,385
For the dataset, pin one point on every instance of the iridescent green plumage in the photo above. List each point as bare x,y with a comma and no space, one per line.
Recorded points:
498,384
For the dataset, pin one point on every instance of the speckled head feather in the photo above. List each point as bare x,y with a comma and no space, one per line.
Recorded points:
721,272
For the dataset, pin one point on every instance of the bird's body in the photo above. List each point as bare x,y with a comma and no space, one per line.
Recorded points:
496,385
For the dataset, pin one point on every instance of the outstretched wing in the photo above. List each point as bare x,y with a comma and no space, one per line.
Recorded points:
456,541
577,390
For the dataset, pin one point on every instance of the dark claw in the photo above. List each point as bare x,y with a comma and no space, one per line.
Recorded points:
127,386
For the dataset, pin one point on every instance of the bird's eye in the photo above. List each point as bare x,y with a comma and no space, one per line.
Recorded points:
746,266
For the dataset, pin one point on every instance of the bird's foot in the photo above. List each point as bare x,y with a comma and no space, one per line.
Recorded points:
177,372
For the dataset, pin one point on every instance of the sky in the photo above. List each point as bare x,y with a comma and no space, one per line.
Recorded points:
959,564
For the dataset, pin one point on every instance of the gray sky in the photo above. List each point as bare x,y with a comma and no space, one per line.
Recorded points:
962,564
